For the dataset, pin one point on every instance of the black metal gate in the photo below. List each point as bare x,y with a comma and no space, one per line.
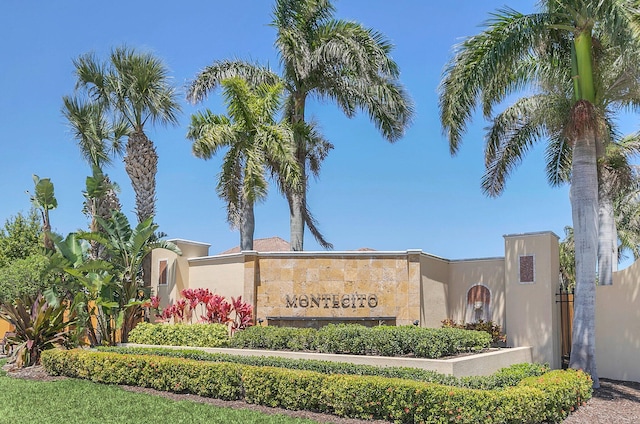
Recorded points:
565,298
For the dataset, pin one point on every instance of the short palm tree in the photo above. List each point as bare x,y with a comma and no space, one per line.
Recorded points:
99,141
329,59
136,89
256,144
555,45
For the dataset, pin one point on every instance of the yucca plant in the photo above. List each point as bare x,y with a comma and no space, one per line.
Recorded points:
38,326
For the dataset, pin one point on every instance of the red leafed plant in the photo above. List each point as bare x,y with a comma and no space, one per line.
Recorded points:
218,310
244,313
213,309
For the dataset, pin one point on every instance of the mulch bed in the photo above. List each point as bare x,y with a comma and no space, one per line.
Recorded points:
614,402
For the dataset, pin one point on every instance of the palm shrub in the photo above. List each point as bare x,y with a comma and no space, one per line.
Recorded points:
39,326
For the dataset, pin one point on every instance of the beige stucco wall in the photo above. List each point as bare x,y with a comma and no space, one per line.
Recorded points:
618,326
177,269
531,311
465,274
434,288
223,275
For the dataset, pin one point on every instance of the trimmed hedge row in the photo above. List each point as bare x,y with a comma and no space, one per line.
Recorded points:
505,377
360,340
201,335
537,399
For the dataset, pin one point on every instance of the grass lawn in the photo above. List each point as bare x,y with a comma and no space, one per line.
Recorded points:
79,401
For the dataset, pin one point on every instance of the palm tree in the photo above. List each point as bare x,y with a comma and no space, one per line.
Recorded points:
549,51
567,260
330,59
136,89
256,143
618,186
99,141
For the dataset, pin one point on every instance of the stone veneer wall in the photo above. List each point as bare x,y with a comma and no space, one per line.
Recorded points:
338,282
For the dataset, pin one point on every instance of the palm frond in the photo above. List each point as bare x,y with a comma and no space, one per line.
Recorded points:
509,138
487,67
98,139
212,76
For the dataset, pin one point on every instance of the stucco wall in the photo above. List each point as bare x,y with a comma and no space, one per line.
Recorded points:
223,275
465,274
531,311
618,326
177,276
434,289
177,269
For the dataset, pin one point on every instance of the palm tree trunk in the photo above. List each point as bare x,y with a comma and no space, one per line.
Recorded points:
607,239
247,225
297,201
298,196
141,164
584,208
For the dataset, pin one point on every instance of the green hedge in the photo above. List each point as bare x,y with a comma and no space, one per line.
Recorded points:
360,340
548,398
505,377
200,335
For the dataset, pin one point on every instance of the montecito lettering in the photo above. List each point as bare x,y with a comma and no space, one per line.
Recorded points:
353,301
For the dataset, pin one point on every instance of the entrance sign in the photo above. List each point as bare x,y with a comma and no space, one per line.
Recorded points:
327,301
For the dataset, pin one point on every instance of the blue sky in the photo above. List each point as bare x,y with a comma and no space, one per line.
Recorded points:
411,194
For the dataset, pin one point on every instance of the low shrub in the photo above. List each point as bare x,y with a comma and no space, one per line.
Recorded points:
219,380
489,327
564,391
278,387
361,340
537,399
505,377
275,338
200,335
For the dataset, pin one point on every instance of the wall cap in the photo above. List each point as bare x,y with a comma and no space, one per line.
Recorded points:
533,234
183,241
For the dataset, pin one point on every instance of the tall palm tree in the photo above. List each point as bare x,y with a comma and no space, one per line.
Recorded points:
618,185
256,143
555,45
330,59
136,89
627,207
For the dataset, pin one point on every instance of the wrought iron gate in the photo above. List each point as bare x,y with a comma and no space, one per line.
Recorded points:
565,298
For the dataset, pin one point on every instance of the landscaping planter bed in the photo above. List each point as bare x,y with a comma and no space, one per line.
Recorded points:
485,363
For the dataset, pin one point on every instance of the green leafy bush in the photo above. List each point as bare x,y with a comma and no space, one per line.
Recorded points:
277,387
218,380
564,391
275,338
547,398
201,335
505,377
490,327
361,340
